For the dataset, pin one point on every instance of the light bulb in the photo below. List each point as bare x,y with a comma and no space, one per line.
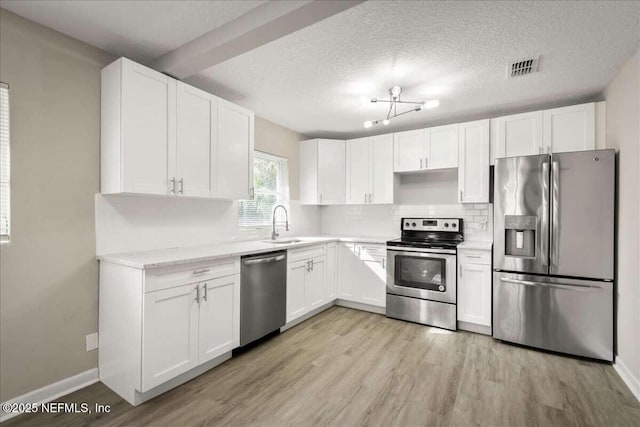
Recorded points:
434,103
368,124
386,122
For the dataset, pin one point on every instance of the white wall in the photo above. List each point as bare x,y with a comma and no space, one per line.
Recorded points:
623,134
136,223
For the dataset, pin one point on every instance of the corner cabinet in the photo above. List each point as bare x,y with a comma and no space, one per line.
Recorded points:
161,136
473,162
474,290
369,170
157,326
363,273
322,172
426,149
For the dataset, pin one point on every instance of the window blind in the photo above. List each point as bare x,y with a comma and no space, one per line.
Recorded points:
5,165
271,188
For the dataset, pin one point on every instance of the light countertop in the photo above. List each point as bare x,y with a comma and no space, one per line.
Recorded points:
182,255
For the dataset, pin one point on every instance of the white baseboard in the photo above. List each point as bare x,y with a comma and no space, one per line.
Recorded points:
53,391
361,306
307,316
627,377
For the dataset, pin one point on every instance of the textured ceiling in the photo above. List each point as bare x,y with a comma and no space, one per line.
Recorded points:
318,80
141,30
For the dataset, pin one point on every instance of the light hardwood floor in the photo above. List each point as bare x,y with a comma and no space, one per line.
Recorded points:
346,367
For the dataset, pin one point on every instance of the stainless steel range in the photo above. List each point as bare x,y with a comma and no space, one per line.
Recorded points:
421,273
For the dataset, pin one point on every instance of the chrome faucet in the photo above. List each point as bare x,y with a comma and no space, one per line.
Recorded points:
274,234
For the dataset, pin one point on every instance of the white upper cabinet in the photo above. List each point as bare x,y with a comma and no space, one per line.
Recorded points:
441,147
426,149
408,151
233,178
519,134
137,128
162,136
194,161
473,164
570,128
369,173
358,171
322,172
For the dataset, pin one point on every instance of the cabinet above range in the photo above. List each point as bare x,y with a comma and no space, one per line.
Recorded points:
161,136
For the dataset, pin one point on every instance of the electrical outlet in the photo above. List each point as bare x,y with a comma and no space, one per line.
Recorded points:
92,341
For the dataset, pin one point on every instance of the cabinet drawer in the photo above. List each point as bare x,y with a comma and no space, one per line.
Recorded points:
366,251
307,252
469,256
168,277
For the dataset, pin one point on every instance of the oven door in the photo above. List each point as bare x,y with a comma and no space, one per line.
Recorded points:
421,274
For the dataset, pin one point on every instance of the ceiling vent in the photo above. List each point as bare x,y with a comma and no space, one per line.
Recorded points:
522,67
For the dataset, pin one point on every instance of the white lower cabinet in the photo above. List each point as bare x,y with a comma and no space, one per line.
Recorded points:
308,280
363,270
474,290
160,323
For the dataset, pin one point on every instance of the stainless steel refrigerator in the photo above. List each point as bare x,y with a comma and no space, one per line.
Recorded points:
554,252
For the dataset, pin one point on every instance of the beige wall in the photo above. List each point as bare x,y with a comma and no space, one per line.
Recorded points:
623,134
48,273
281,141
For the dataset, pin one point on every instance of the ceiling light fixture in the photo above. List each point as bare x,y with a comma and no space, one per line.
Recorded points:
394,100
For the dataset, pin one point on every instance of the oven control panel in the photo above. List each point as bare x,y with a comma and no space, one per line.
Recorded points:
431,224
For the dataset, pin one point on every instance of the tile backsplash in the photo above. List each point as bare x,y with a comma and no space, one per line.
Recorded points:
384,220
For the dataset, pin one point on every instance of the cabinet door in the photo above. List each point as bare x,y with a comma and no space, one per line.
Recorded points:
441,149
314,285
474,293
309,172
148,129
520,134
371,274
381,169
196,141
234,157
358,166
296,303
473,162
331,172
348,261
331,281
219,324
408,151
570,128
170,334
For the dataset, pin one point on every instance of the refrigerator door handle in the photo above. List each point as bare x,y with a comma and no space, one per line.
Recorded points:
575,288
555,212
544,240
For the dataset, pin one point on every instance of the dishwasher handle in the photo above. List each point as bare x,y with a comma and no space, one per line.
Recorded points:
263,260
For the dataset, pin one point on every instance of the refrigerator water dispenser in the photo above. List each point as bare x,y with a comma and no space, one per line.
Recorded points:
520,235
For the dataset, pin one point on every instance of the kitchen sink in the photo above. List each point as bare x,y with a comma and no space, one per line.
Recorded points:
282,242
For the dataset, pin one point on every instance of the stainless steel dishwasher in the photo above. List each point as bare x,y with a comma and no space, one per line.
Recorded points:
263,295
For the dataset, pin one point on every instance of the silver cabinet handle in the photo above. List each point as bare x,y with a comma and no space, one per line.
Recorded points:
311,265
473,256
365,198
181,182
204,297
460,268
197,294
370,197
426,162
204,270
252,193
460,195
420,163
173,185
263,260
384,263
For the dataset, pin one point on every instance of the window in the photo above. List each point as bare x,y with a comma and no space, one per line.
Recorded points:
271,188
5,163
